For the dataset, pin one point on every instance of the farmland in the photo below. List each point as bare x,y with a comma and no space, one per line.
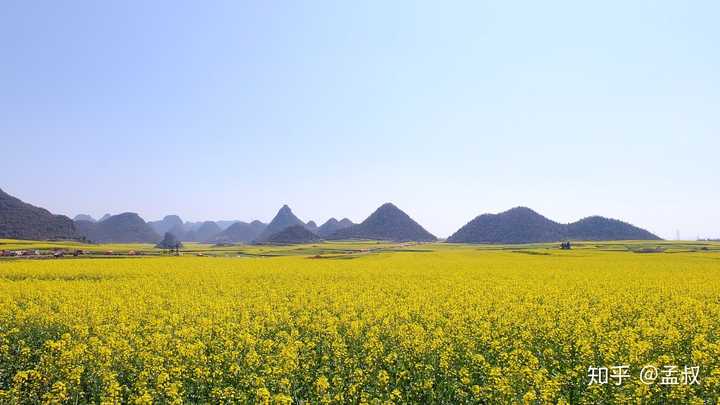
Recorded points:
361,323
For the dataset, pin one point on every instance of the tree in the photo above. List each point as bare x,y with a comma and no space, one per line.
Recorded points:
169,242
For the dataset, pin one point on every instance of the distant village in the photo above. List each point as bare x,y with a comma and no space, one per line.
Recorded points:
55,253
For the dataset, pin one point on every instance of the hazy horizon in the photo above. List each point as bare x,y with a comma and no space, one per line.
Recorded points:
229,110
321,219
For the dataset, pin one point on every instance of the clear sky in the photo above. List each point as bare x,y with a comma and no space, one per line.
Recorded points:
227,110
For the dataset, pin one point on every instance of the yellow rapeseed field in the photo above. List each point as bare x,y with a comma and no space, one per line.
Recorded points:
454,325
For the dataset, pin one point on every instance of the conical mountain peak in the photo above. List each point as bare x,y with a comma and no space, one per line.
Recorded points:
388,222
388,206
284,219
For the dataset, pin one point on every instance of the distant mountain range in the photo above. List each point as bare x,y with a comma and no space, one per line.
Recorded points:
166,224
293,234
332,225
207,231
204,231
387,223
19,220
122,228
523,225
225,224
84,217
241,232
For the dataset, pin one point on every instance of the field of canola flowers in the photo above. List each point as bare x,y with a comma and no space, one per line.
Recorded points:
454,325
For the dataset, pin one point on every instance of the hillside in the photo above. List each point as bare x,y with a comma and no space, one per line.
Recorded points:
311,226
600,228
225,224
332,225
293,234
387,223
207,231
165,224
84,217
88,230
283,219
180,231
240,232
523,225
20,220
192,226
123,228
517,225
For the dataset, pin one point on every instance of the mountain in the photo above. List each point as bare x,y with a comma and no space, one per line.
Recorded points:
207,231
284,219
87,229
258,226
344,223
523,225
517,225
225,224
387,223
193,226
104,217
188,235
600,228
293,234
20,220
311,226
241,232
188,231
179,231
332,225
122,228
166,224
84,217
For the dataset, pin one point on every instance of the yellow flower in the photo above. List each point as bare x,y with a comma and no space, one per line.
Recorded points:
321,384
262,395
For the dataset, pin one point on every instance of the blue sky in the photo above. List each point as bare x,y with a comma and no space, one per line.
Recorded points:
220,110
